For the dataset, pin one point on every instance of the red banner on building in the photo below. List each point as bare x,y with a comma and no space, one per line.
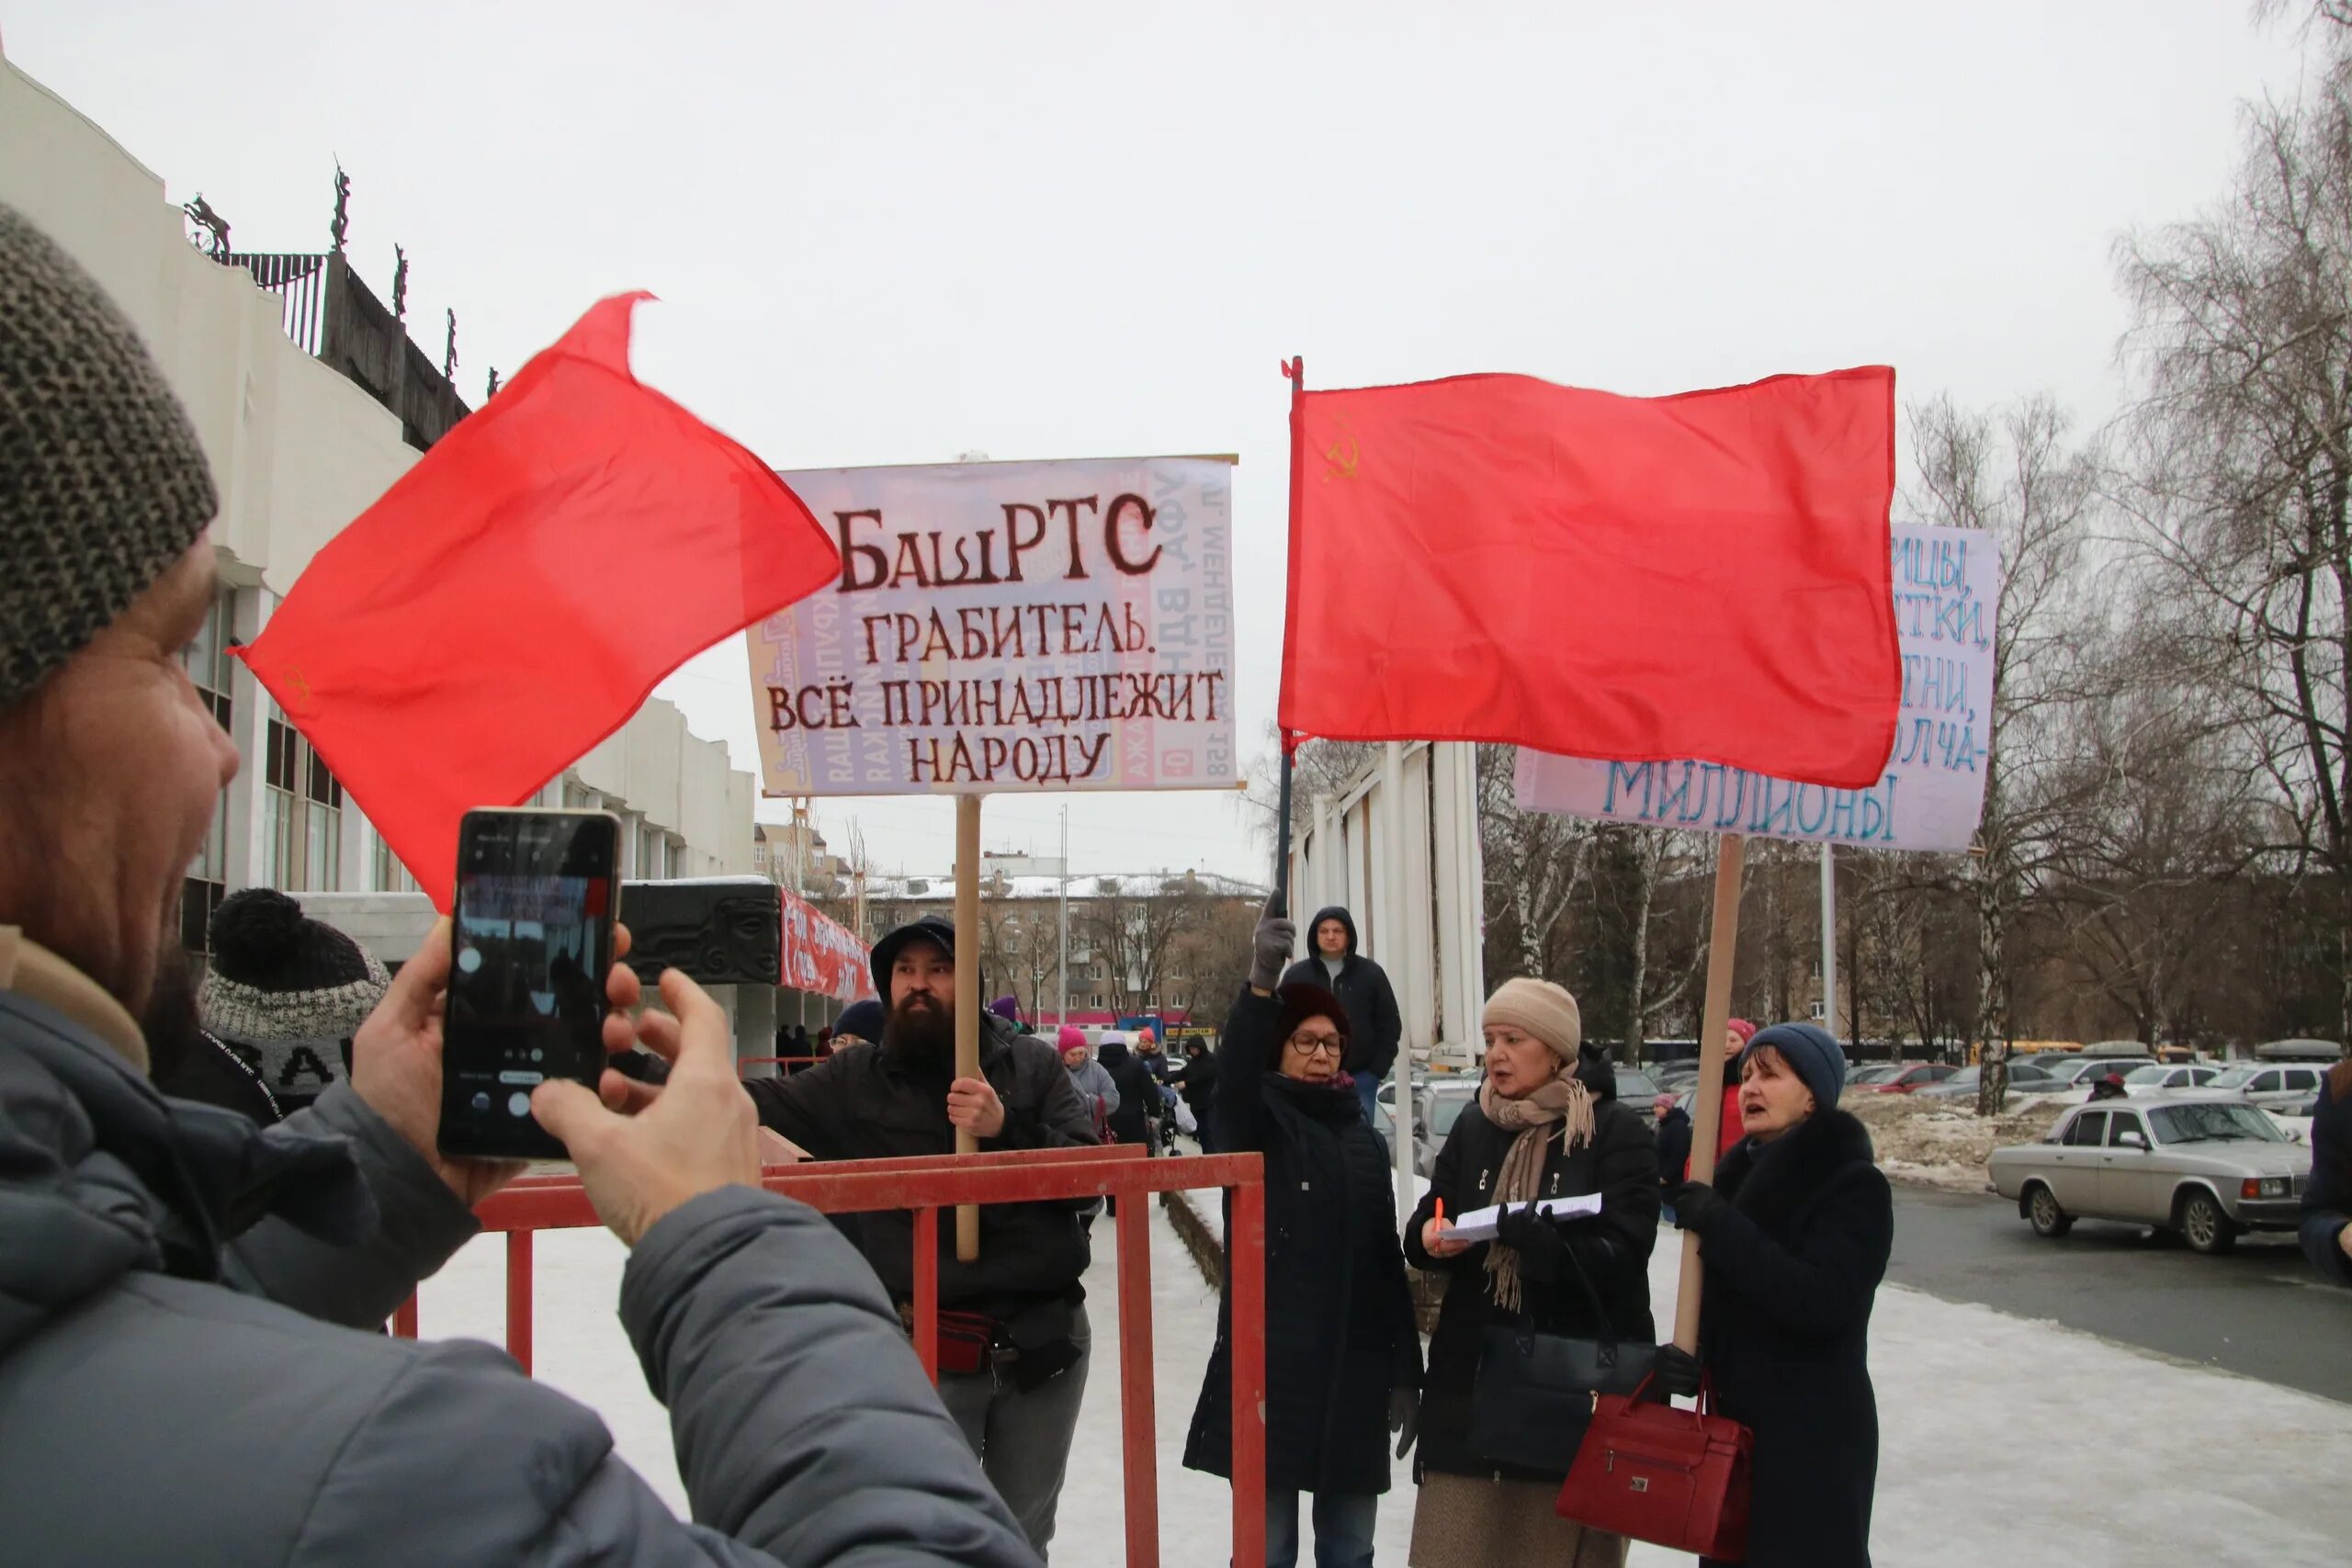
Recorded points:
820,956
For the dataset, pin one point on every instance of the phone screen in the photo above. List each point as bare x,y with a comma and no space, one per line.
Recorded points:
531,945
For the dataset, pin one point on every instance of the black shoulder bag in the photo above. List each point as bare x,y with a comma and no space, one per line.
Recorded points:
1534,1392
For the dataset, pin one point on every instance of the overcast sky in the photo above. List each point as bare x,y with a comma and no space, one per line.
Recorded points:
897,232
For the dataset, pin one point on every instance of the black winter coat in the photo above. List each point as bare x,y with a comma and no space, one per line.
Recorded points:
211,1072
1792,1268
1673,1133
1340,1330
1375,1026
1197,1082
2327,1200
1620,1164
860,1103
1138,1094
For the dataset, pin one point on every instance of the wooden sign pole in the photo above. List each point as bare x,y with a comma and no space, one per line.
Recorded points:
967,994
1714,1023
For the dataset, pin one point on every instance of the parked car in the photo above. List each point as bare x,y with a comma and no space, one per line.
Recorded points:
1438,1105
1636,1087
2081,1072
2024,1078
2286,1088
1911,1075
2206,1169
1877,1072
2157,1077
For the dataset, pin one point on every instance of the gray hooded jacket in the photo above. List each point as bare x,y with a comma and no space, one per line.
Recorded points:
172,1388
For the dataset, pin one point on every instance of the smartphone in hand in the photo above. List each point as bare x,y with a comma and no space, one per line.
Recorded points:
538,895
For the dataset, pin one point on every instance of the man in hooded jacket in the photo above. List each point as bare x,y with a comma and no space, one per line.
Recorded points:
180,1381
1373,1024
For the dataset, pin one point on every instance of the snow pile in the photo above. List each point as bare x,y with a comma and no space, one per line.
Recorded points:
2004,1441
1943,1142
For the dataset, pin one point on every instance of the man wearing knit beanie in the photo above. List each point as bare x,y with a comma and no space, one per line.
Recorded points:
287,993
178,1284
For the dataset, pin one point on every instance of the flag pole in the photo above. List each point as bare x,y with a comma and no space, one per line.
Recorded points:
1294,371
967,996
1281,837
1714,1024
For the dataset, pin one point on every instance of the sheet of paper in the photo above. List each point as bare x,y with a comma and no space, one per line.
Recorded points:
1478,1224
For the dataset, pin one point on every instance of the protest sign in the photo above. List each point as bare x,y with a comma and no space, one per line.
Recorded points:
1007,627
820,956
1946,587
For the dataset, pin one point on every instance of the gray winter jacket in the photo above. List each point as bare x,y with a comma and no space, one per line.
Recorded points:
1094,1087
172,1388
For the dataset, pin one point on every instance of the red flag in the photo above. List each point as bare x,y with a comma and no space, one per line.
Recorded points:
1494,558
517,594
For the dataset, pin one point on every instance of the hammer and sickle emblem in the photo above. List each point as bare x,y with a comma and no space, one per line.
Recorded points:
301,688
1343,456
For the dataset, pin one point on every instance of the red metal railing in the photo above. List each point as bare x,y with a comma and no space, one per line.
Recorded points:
928,1184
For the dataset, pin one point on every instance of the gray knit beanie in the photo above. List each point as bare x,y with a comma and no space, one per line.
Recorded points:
103,485
286,992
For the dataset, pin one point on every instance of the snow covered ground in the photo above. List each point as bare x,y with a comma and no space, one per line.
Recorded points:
2006,1441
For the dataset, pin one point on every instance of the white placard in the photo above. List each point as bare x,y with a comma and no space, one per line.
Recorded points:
1007,627
1946,587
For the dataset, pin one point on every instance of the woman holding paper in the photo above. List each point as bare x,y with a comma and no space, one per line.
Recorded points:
1547,1126
1795,1232
1343,1356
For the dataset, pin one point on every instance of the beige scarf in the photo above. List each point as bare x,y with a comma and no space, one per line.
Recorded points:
1564,1102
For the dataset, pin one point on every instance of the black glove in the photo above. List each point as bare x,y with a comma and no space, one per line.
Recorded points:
1542,1251
1697,1205
1404,1417
1271,943
1677,1372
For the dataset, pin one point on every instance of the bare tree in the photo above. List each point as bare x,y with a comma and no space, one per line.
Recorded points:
2239,462
1536,862
1133,930
2012,473
1650,858
2143,879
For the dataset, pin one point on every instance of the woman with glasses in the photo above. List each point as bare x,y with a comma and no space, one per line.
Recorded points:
1343,1358
1547,1125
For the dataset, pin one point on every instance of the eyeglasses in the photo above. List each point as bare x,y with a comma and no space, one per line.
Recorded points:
1318,1044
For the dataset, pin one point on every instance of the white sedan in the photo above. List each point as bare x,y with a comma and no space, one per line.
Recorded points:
2158,1076
2287,1089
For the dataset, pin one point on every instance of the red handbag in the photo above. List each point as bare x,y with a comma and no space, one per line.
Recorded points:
1676,1478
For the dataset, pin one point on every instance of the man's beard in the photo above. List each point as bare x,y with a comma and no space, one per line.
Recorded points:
921,1033
171,1022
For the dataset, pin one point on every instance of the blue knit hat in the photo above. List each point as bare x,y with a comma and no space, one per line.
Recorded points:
1810,1052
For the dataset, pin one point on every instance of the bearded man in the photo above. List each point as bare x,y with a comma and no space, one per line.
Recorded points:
1013,1335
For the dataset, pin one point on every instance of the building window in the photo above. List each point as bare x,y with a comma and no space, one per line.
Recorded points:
391,875
206,659
302,817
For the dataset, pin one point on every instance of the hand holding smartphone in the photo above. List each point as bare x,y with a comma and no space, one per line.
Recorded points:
531,943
